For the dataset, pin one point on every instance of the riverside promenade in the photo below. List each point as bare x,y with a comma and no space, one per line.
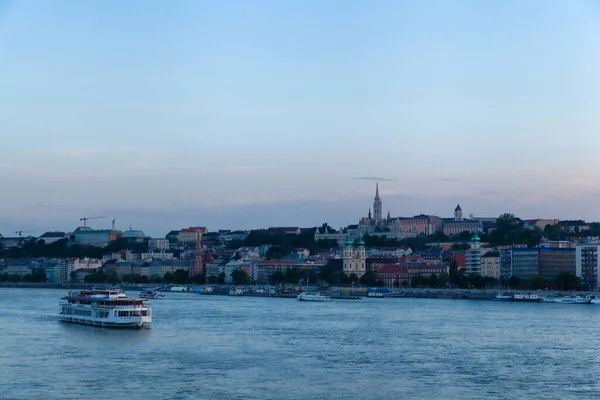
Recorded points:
290,291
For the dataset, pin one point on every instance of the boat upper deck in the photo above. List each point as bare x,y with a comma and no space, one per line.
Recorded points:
105,297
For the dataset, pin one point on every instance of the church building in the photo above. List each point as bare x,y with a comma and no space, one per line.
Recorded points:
355,257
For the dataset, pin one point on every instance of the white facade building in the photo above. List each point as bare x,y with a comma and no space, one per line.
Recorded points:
158,244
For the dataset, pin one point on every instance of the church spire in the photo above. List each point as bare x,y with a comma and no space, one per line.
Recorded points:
377,205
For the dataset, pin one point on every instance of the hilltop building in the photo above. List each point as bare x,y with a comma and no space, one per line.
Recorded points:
458,224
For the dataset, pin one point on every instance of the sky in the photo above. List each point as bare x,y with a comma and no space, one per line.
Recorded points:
249,114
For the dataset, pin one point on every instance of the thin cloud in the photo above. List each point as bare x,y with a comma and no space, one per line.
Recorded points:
245,168
446,180
373,178
488,192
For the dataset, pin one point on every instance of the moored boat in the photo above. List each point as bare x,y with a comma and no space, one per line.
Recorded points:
313,297
151,294
531,298
503,297
106,308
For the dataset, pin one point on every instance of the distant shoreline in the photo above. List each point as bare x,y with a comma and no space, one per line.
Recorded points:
340,293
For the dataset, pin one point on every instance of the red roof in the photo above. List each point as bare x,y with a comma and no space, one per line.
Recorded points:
461,260
392,269
201,229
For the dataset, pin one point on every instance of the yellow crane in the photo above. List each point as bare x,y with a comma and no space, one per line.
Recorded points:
84,219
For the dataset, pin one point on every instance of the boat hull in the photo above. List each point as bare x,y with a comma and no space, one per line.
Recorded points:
136,324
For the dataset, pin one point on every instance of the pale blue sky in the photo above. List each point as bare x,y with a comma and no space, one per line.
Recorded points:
238,114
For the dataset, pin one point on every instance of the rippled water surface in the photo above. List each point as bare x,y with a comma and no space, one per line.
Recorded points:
213,347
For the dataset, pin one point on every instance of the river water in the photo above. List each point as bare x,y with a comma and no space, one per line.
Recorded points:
218,347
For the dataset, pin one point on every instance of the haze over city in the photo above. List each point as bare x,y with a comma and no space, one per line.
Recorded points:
239,115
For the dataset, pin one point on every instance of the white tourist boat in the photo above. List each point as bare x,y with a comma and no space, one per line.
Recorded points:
580,299
564,300
532,298
107,308
313,297
595,300
151,294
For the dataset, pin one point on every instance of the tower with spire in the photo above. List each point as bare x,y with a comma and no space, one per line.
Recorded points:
458,215
377,205
354,256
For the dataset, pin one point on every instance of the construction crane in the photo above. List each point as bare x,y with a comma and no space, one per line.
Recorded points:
20,233
113,224
84,219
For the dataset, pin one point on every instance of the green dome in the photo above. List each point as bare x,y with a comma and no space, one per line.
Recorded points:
360,242
475,238
348,240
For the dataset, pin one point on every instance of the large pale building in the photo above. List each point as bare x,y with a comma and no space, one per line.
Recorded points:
490,264
355,257
473,256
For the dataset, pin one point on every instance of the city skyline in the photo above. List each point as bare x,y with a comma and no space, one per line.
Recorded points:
231,115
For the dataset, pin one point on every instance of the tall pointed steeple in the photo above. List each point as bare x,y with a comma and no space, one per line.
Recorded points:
377,205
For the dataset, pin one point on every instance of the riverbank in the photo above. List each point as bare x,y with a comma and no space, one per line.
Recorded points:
340,293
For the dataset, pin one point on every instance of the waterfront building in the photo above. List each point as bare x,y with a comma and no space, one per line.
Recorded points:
403,274
505,263
473,256
587,265
545,262
62,272
525,263
161,267
556,261
354,257
490,264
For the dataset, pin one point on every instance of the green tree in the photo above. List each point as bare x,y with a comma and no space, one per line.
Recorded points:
513,282
240,277
221,278
353,278
277,277
537,282
443,279
453,275
567,281
329,275
369,279
212,279
276,253
198,279
293,275
432,281
465,235
460,246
